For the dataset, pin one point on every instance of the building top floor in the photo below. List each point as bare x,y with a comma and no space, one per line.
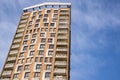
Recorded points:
47,5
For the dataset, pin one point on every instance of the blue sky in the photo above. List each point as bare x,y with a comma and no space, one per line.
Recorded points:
95,38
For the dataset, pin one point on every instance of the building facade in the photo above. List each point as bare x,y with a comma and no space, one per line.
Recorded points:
40,49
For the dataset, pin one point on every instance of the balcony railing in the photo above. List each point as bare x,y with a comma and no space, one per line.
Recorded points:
62,43
23,21
20,30
16,46
11,58
62,37
60,78
17,40
60,26
24,17
60,71
9,65
60,63
19,35
61,56
5,79
35,79
62,32
61,49
7,73
14,52
22,25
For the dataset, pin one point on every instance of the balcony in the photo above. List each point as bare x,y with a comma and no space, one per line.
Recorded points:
20,30
60,71
61,56
16,46
19,35
23,21
63,26
11,58
7,73
60,63
61,49
24,17
61,31
17,40
5,79
60,78
62,37
22,25
13,52
62,43
35,79
9,65
64,17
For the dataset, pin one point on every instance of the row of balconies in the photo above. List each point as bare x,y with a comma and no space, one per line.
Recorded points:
61,56
61,49
62,37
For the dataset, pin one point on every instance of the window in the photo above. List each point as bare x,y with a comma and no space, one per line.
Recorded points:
25,48
23,60
50,53
46,15
40,16
43,40
36,25
36,59
19,68
41,52
25,42
27,74
48,11
26,37
37,21
27,60
50,59
38,66
34,13
21,55
33,41
26,67
37,74
41,59
29,27
52,35
31,46
48,67
31,53
42,35
46,59
34,36
15,76
50,40
46,24
47,75
42,46
55,15
30,22
55,11
52,24
51,46
42,29
45,20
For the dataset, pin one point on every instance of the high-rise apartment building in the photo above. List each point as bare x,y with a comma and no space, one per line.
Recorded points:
40,49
